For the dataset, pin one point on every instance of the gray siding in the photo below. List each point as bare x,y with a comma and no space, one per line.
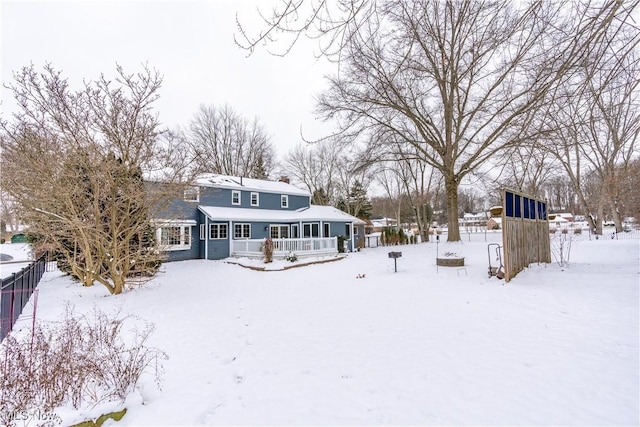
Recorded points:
218,248
222,197
179,209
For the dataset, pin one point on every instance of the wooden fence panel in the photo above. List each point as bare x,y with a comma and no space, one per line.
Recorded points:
525,241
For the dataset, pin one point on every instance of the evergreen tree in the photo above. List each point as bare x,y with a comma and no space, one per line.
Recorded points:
357,203
319,197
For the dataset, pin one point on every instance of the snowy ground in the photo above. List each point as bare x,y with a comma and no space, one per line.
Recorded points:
17,252
317,345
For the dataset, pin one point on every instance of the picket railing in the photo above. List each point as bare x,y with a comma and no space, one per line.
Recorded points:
309,246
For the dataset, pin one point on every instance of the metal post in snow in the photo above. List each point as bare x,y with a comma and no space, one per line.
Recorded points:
437,242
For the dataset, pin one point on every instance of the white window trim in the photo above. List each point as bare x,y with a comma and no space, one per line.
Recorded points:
218,225
233,193
185,237
188,190
257,199
284,201
311,224
242,225
280,227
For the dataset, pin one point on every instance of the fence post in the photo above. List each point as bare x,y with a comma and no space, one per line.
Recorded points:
6,307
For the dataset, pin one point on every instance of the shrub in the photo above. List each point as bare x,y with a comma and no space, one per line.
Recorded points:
341,240
267,249
577,230
291,257
80,361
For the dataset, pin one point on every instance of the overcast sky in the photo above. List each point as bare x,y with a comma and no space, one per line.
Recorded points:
190,43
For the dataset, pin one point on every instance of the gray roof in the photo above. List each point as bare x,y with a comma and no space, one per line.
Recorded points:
249,184
312,213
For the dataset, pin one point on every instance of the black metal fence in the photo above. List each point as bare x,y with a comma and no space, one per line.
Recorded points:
16,291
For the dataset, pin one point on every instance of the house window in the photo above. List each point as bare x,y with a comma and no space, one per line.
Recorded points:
279,231
235,197
175,238
242,231
217,231
255,199
192,194
284,201
311,229
202,232
326,230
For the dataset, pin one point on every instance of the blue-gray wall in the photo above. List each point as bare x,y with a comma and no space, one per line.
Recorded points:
180,209
222,197
192,253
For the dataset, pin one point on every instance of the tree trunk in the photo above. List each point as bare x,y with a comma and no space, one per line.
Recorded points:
451,191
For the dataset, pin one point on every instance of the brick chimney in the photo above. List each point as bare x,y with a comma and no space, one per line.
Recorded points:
284,179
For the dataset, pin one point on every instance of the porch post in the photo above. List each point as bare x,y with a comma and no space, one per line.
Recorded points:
206,236
352,237
229,237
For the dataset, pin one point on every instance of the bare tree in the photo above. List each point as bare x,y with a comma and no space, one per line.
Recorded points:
329,22
453,79
73,162
222,141
592,127
526,168
630,185
409,181
317,167
8,214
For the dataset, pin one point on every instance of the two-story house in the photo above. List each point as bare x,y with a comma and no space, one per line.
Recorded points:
222,216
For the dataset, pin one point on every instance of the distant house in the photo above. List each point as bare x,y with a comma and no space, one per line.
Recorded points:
564,215
376,225
473,220
221,216
494,223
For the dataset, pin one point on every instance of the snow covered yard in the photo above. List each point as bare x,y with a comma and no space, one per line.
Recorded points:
318,345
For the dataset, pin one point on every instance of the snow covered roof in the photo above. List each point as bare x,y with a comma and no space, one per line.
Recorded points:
312,213
240,183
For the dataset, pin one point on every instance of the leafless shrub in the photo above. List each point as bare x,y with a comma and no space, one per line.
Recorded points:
79,361
561,248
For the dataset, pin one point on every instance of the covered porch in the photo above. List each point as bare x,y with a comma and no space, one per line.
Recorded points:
301,247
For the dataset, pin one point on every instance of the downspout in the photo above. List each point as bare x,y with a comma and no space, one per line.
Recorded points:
229,237
206,236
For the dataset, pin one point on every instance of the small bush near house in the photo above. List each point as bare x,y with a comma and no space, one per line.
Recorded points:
80,361
577,230
267,249
291,257
341,240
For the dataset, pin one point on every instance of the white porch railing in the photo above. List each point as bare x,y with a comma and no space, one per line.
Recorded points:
310,246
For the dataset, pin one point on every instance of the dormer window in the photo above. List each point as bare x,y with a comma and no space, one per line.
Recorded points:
235,197
192,194
255,199
284,201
